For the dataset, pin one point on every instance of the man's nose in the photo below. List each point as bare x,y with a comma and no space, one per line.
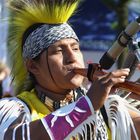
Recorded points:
70,56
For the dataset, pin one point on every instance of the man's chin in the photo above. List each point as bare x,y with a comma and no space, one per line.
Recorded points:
76,83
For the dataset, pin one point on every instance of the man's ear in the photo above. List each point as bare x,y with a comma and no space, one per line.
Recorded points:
32,66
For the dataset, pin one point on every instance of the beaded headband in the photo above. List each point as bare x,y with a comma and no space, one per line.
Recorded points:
44,36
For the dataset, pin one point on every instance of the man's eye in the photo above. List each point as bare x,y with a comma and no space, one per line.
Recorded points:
76,48
59,51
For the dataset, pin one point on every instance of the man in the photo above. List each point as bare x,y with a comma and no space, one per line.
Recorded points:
56,106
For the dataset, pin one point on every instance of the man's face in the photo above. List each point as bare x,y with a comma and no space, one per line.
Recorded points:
56,65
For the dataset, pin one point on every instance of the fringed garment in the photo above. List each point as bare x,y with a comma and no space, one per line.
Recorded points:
93,127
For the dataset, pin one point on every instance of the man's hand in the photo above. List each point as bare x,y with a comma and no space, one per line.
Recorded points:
102,85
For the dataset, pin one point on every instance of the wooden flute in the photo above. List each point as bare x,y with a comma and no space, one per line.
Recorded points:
128,86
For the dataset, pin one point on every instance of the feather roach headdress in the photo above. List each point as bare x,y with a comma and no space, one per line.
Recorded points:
34,25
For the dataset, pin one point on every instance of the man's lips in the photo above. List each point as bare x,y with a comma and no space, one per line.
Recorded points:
72,69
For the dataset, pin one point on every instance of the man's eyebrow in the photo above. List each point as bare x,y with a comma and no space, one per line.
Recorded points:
73,43
53,46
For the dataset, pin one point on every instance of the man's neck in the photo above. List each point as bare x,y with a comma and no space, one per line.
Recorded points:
54,100
55,96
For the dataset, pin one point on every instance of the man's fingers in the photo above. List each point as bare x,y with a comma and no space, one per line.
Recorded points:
115,77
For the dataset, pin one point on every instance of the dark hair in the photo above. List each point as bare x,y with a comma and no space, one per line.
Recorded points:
31,75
